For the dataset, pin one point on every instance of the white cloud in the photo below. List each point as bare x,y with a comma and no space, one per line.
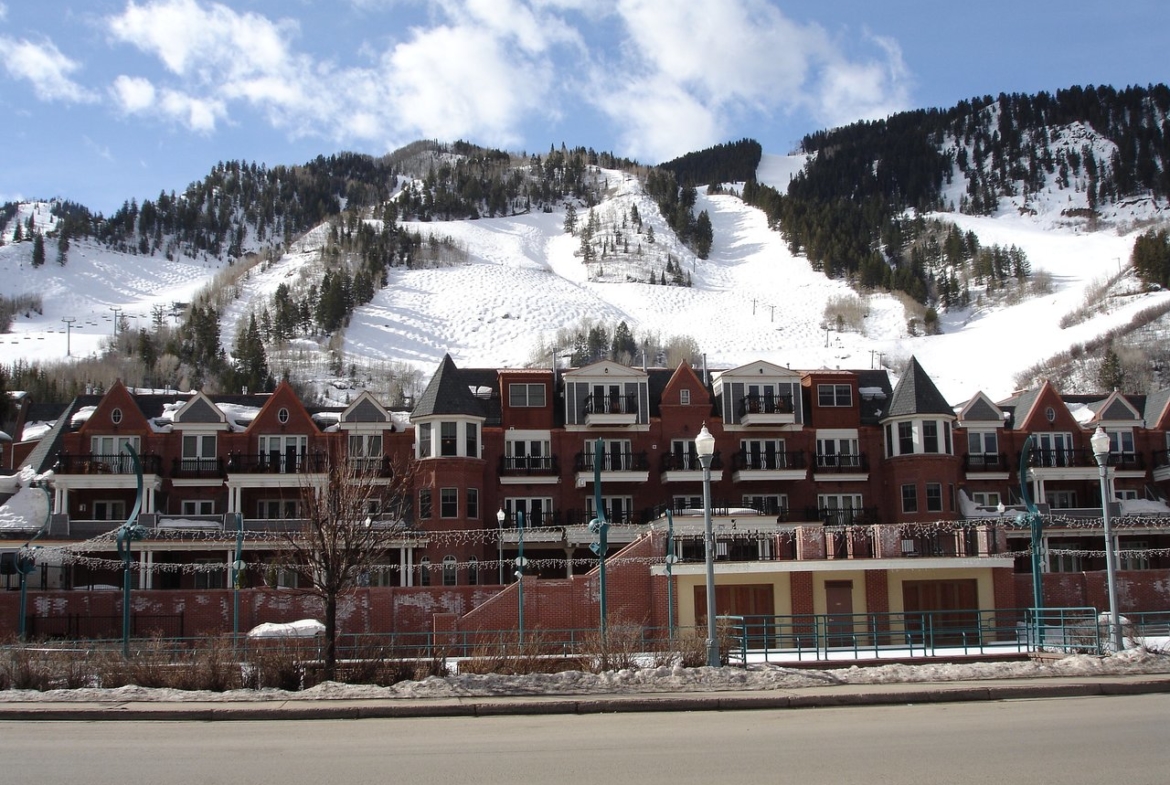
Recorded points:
133,94
45,68
723,60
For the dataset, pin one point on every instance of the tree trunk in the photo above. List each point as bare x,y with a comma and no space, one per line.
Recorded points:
330,636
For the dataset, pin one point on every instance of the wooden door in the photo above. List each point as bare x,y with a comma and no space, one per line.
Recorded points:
839,607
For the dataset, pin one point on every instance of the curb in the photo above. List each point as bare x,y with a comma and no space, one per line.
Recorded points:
610,704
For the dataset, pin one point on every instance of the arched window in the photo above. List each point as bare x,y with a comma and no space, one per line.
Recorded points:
424,570
473,571
450,577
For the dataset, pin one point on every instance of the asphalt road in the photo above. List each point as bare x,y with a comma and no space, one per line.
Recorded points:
1065,740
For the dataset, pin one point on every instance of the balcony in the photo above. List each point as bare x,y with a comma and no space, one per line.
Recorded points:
96,463
373,466
277,463
529,469
768,466
766,410
841,463
198,469
842,516
985,462
610,410
685,467
615,467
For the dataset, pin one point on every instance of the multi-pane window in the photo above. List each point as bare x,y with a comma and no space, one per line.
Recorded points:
910,498
471,439
687,503
528,454
1121,444
838,508
934,501
424,503
424,440
537,510
1061,500
198,507
473,571
208,577
618,509
684,456
834,452
930,436
283,452
1054,449
684,397
905,438
448,439
1134,555
198,446
767,454
424,571
448,502
472,504
768,504
526,395
834,395
450,575
365,450
112,510
986,498
278,508
616,455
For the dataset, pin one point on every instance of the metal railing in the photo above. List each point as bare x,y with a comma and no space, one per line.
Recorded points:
101,463
610,403
777,461
767,404
612,461
529,465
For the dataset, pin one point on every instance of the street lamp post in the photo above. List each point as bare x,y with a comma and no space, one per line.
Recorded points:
705,448
1100,444
520,562
670,560
501,516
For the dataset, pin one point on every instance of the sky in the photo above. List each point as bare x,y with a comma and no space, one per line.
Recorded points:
107,100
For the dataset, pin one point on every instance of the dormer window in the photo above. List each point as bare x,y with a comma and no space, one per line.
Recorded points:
834,395
530,396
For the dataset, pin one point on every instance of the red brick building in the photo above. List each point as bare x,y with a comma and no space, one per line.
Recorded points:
833,492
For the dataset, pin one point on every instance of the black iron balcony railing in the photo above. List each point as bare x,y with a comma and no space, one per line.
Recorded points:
985,462
614,518
842,516
777,461
197,468
369,466
842,462
613,462
530,465
98,463
685,462
534,520
1086,458
277,463
611,404
756,404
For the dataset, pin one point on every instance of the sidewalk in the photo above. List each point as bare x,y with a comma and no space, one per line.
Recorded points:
481,706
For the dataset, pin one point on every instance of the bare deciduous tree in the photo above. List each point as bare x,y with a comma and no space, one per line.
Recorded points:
352,521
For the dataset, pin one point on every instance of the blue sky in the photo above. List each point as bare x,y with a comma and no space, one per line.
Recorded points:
105,100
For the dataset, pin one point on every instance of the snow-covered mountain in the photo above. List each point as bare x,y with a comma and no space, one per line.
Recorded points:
523,280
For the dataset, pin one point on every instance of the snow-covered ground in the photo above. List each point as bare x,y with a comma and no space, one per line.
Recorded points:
664,679
523,281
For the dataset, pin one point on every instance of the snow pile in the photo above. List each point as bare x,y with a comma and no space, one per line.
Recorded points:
28,509
650,680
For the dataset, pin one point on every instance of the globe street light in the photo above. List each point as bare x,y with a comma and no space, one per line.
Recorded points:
1100,444
705,448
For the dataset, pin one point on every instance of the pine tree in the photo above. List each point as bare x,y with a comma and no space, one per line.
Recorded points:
63,246
38,254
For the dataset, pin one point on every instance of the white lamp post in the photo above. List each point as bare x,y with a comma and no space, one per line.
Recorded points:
705,448
1100,444
500,516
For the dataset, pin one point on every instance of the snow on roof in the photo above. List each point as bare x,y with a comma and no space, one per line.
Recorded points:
35,430
81,416
239,416
1082,413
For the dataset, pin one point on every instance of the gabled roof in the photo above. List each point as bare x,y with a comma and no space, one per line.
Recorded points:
916,393
1155,408
448,393
980,409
